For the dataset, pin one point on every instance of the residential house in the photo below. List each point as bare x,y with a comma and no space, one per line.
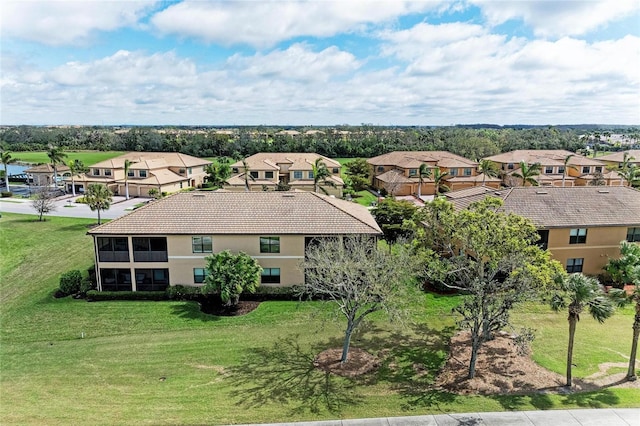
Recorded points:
165,172
166,242
43,175
397,172
268,169
615,159
581,226
580,170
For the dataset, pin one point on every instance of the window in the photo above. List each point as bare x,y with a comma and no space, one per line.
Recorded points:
586,169
268,175
202,244
198,275
149,249
510,166
131,173
269,244
190,170
633,235
561,170
180,185
380,169
107,172
543,242
181,171
113,249
598,169
548,170
234,170
270,276
467,172
253,174
310,175
336,170
115,279
143,173
96,172
578,236
574,265
152,279
297,174
453,172
413,172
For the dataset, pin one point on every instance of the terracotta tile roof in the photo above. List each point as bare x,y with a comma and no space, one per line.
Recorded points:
468,192
171,159
618,156
546,157
558,207
419,157
396,176
225,212
46,168
268,159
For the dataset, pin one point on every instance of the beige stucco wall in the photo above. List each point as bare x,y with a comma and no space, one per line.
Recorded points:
602,243
182,261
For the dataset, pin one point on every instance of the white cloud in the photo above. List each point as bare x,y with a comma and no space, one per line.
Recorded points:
57,23
558,18
265,23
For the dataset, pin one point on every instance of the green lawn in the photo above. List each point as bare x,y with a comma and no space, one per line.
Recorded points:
87,157
66,361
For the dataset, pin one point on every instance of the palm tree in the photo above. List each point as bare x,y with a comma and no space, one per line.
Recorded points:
321,174
438,182
75,167
127,166
566,166
56,156
487,168
6,158
628,171
247,176
580,292
98,197
423,172
527,173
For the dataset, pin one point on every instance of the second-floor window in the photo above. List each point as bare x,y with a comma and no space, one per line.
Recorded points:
599,169
543,242
268,175
467,172
150,249
310,174
548,170
131,173
380,169
297,174
633,235
269,244
107,172
202,244
253,174
453,172
578,236
413,172
143,173
586,169
113,249
95,172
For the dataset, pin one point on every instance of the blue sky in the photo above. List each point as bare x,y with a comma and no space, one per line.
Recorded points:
319,62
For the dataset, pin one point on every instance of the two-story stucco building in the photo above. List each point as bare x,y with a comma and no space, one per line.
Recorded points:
166,242
581,226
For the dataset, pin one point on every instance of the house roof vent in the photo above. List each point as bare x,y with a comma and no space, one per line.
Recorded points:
288,195
542,192
603,191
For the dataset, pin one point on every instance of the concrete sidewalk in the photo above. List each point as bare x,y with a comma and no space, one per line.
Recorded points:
589,417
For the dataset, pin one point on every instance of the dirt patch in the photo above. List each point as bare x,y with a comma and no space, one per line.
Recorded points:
242,308
500,369
358,362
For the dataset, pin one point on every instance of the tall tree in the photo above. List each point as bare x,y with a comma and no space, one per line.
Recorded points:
247,176
391,215
56,156
127,166
629,172
439,179
228,275
98,197
358,173
528,172
423,172
491,257
44,201
488,169
358,277
321,174
580,292
6,158
75,167
218,172
626,270
567,166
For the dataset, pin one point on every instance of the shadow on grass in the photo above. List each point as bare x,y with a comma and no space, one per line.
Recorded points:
540,401
285,374
598,399
191,311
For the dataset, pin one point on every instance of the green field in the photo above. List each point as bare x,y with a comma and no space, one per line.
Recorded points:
87,157
66,361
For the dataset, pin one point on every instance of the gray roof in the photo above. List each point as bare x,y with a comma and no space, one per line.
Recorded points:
557,207
224,212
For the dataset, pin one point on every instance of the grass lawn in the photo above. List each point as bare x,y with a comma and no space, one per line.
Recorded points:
87,157
68,361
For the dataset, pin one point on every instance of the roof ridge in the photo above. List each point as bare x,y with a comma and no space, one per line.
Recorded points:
330,200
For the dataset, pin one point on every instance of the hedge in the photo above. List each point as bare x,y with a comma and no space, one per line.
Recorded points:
97,296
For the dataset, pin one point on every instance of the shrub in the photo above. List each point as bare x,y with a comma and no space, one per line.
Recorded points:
97,296
6,194
71,282
81,200
180,292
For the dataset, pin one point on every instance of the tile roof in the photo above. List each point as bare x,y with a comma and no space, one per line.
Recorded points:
618,156
225,212
419,157
46,168
155,159
558,207
268,160
546,157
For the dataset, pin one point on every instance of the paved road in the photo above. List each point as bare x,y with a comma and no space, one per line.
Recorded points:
591,417
66,207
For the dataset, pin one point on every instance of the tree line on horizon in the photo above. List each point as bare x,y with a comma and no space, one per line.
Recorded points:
345,141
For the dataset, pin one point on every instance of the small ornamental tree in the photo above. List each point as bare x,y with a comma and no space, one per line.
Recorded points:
391,214
44,201
358,277
358,173
228,275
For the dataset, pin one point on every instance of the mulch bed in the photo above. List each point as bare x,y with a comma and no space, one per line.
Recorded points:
242,308
358,362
